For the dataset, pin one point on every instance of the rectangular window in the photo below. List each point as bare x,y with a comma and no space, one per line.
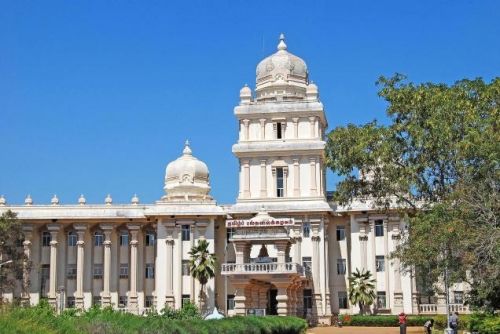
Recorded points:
71,271
124,239
186,232
44,277
307,264
98,271
380,263
280,182
123,270
122,301
96,300
148,301
185,268
98,239
150,270
72,239
379,228
186,299
70,302
279,130
458,297
381,300
150,238
341,266
306,230
340,232
46,238
229,233
343,299
230,302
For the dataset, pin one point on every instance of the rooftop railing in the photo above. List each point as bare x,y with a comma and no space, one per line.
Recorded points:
262,268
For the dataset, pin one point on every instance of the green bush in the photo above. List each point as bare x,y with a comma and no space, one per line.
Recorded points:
413,320
485,323
42,320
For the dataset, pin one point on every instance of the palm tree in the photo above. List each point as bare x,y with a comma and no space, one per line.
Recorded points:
202,266
361,289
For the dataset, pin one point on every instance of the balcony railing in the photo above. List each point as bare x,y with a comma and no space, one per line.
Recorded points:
433,308
262,268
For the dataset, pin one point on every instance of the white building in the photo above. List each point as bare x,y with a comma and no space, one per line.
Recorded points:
283,247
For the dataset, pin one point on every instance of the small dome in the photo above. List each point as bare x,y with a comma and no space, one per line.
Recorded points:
187,177
28,200
82,200
312,91
3,201
245,94
108,200
54,200
281,70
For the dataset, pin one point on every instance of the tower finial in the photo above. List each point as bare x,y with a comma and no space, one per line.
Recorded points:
282,45
187,149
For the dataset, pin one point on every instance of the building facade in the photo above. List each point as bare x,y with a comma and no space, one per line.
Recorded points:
283,247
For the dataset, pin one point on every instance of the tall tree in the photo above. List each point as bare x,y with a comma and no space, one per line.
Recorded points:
438,158
202,266
11,238
361,289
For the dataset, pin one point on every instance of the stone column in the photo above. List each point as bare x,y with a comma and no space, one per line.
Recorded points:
262,128
281,247
372,263
240,298
53,229
245,129
106,296
314,188
170,298
263,179
398,294
246,178
296,177
298,248
25,294
312,130
282,298
316,239
295,127
132,297
363,240
240,248
80,232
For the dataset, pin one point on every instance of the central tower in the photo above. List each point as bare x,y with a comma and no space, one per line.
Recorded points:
281,130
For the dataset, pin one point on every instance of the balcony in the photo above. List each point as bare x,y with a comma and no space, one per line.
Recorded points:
262,268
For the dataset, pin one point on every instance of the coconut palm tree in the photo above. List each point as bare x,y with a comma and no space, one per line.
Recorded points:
361,289
202,267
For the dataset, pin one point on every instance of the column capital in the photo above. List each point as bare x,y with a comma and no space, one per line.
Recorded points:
53,227
80,227
295,119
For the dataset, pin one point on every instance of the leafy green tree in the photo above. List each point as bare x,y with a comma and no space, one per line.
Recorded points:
202,265
438,160
11,239
361,289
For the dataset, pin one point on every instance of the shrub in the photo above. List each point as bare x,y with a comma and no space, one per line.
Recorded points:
485,323
392,321
42,320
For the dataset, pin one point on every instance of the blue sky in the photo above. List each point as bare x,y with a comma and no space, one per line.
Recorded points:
96,97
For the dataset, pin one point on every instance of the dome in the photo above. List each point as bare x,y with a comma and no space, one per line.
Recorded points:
186,178
281,74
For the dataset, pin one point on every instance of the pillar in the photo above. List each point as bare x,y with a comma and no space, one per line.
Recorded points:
170,299
262,128
245,129
53,229
398,294
312,130
132,297
314,188
263,179
246,178
240,298
80,232
295,127
316,239
296,177
106,296
282,298
25,294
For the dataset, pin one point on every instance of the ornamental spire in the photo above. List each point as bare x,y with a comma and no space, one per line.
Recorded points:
187,149
282,45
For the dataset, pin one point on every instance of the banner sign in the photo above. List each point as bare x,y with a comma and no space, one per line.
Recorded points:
259,223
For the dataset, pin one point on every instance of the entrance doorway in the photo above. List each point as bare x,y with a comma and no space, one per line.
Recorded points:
272,303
